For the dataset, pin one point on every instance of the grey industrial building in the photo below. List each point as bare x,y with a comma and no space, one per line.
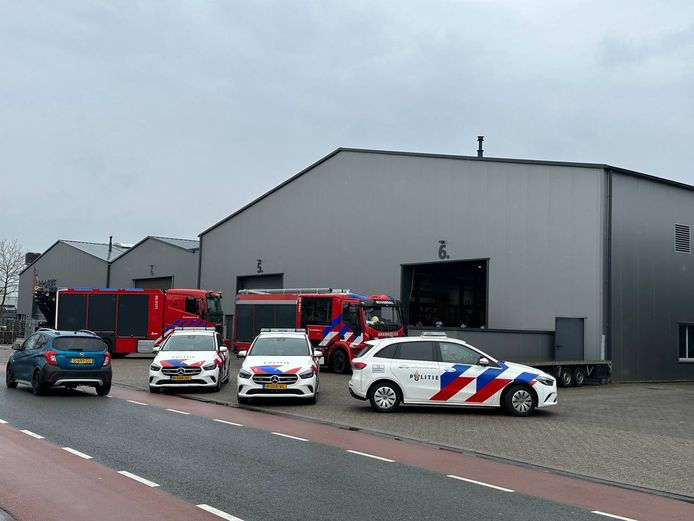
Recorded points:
66,264
154,262
538,260
157,263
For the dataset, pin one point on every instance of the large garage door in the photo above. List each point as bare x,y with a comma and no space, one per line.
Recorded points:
275,281
154,283
452,294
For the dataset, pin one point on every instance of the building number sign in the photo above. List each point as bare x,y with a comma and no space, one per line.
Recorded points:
259,268
443,254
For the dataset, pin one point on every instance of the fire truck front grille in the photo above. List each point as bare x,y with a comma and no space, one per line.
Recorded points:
281,378
175,371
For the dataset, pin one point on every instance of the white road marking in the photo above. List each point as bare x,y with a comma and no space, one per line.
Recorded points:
137,403
288,436
612,516
2,421
481,483
178,412
77,453
371,456
32,434
228,423
219,513
137,478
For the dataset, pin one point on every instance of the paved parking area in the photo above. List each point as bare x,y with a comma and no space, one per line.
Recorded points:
636,434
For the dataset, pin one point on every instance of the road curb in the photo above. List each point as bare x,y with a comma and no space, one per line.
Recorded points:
469,452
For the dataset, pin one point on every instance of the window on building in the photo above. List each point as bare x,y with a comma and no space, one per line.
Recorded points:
687,342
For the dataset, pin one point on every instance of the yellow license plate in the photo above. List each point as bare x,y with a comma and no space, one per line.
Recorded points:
275,386
81,361
181,378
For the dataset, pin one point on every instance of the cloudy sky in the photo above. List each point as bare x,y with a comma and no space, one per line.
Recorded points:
133,118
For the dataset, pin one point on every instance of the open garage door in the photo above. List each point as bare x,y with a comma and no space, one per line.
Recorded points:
275,281
450,293
154,283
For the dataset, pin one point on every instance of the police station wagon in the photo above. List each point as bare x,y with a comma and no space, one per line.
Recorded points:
436,370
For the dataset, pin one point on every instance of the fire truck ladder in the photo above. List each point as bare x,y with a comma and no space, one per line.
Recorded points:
293,291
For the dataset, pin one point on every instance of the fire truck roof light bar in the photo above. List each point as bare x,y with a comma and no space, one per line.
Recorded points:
291,291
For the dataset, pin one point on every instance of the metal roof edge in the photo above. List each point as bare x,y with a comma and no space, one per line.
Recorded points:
156,238
39,257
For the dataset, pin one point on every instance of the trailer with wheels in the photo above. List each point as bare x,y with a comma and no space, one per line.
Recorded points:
575,373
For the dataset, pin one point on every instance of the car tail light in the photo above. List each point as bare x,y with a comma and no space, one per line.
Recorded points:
107,359
50,357
358,365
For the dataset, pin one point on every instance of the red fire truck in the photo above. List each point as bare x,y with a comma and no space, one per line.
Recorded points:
130,320
336,320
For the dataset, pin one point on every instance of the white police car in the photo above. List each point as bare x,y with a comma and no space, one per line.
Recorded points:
279,363
190,357
436,370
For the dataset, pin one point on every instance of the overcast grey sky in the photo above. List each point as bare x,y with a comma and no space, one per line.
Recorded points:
133,118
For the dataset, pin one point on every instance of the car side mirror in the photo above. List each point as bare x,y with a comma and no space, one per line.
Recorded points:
318,354
242,354
223,349
156,349
17,346
483,361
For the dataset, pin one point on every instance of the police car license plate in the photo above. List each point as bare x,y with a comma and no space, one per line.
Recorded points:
181,378
275,386
81,361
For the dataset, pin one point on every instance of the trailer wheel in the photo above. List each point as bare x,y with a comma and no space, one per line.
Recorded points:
339,363
566,377
579,376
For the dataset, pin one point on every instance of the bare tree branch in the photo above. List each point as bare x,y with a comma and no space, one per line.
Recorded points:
11,264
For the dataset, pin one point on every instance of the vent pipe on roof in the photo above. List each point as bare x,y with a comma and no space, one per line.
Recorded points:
480,152
110,243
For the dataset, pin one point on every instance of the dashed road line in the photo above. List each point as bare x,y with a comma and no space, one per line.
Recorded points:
137,403
289,436
32,434
177,411
218,513
77,453
613,516
137,478
482,483
228,423
371,456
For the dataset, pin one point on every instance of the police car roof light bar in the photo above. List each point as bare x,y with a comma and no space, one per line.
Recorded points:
434,333
282,330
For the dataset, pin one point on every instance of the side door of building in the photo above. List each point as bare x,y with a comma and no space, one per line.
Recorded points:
22,361
416,368
463,379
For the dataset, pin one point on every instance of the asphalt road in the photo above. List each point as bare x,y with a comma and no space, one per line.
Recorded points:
594,431
255,473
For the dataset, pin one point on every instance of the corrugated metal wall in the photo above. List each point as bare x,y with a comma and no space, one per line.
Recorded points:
355,218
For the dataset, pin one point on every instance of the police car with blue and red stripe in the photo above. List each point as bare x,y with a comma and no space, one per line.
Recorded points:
433,369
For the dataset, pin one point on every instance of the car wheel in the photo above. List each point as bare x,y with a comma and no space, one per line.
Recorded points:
103,390
242,400
579,376
566,377
519,400
218,387
385,397
226,378
37,386
9,377
339,362
154,390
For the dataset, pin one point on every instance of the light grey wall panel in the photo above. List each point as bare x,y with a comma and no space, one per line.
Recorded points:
652,286
69,266
355,218
154,258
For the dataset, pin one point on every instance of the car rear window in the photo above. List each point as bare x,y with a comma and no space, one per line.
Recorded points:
79,343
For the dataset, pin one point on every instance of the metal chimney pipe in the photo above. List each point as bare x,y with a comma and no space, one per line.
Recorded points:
480,152
110,243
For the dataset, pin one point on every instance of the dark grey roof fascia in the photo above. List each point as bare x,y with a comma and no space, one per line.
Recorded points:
154,237
600,166
173,241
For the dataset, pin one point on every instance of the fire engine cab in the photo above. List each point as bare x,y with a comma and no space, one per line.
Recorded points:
337,321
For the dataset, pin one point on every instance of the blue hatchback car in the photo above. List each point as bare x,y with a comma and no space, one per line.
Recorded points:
51,358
